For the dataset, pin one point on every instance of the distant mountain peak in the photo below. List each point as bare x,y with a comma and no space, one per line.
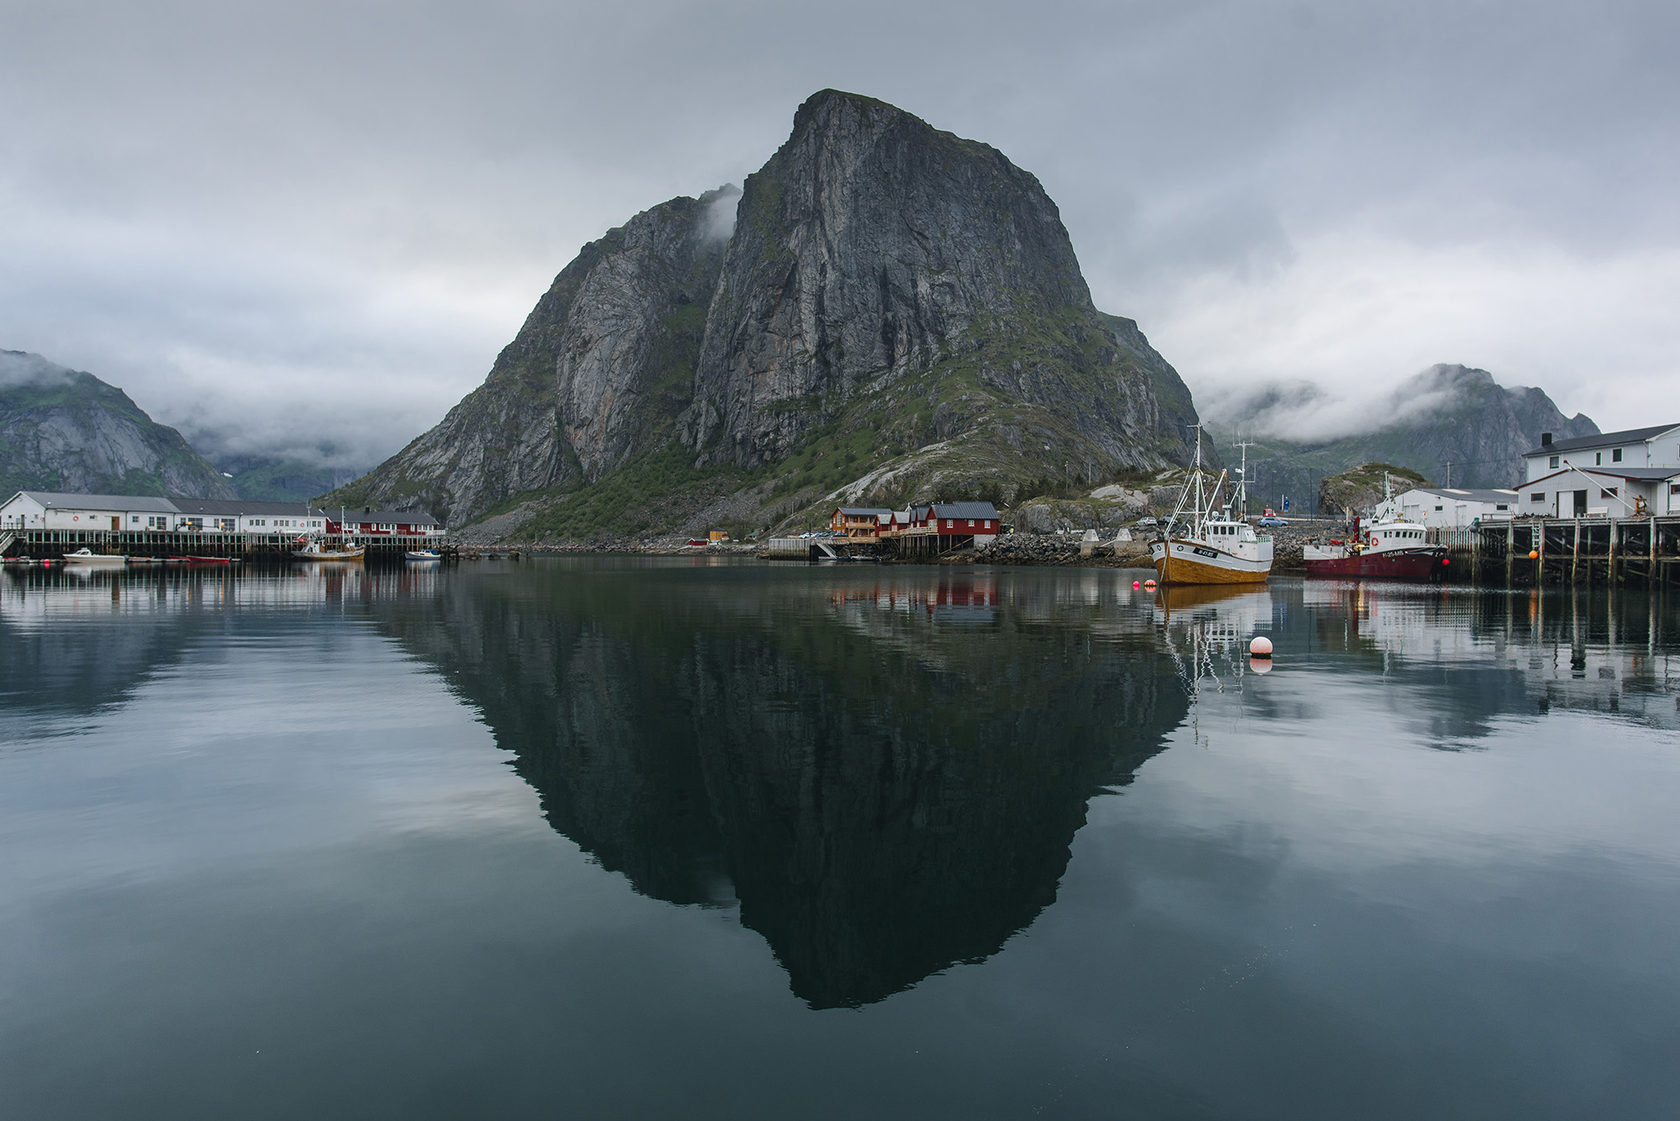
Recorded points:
66,430
895,309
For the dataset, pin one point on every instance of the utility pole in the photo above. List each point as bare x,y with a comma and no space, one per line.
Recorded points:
1449,475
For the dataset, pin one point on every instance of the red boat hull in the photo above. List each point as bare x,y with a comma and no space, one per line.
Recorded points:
1418,566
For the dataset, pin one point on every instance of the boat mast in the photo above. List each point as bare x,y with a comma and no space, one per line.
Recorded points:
1242,480
1196,527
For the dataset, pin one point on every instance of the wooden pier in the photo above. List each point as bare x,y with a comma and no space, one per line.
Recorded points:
1538,552
50,544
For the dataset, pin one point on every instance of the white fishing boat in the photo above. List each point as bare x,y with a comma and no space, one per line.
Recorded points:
422,556
1205,543
87,557
314,549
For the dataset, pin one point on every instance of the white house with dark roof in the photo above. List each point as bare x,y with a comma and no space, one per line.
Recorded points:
53,510
1627,474
1657,446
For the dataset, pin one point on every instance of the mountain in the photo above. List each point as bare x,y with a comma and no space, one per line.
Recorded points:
65,430
268,478
1452,424
883,311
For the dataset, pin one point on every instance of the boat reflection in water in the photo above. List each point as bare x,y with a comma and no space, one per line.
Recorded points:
1437,831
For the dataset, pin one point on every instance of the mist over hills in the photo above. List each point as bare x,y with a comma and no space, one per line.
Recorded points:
1450,423
65,430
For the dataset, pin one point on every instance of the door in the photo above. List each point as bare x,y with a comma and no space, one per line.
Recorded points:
1580,504
116,524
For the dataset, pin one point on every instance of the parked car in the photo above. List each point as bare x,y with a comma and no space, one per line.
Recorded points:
1147,523
1270,520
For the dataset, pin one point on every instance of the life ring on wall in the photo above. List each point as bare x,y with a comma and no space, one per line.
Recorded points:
75,517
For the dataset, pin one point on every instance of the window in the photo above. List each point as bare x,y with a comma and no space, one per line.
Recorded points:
1537,496
133,518
1674,488
1598,459
1502,506
1616,456
1554,462
1607,492
1440,507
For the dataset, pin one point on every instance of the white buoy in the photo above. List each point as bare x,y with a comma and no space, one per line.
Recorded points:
1260,647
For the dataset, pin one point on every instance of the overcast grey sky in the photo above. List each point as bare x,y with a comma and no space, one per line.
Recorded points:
325,219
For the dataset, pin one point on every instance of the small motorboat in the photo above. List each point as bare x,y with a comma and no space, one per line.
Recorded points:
316,550
91,559
200,560
422,556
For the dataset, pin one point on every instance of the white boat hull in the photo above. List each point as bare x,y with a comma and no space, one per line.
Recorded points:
95,560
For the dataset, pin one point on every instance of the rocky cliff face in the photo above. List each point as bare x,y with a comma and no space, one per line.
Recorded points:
895,295
64,430
601,368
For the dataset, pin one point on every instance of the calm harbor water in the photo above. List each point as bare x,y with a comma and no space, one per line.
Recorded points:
613,837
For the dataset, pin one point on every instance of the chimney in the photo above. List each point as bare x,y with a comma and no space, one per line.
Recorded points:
1545,439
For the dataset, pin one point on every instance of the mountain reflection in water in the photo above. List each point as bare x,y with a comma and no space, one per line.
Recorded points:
886,771
883,768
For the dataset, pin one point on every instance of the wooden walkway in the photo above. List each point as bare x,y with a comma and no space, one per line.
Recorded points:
1535,552
53,543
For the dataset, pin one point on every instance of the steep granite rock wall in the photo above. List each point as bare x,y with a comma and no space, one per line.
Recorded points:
886,289
601,368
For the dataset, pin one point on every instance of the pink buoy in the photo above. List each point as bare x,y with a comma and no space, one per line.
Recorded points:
1260,647
1136,585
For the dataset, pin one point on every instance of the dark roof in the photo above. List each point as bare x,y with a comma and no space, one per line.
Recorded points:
1602,440
233,507
386,517
1469,495
964,510
1633,474
864,511
145,503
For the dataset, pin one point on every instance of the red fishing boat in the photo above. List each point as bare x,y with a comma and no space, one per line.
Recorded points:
1387,551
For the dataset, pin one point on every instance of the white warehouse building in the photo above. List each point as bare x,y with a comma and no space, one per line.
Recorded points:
1447,507
1629,474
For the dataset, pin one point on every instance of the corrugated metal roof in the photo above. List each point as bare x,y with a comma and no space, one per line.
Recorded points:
232,507
141,503
964,510
1602,440
1458,495
384,517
